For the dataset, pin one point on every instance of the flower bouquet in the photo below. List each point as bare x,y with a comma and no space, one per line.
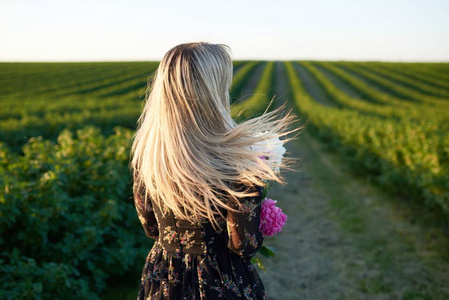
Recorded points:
272,219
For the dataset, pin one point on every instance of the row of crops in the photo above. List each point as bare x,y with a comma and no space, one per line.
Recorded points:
372,114
68,224
44,99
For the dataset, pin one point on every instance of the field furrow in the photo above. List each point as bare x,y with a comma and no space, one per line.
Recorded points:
401,80
393,88
241,78
313,87
49,80
341,84
392,106
259,97
417,76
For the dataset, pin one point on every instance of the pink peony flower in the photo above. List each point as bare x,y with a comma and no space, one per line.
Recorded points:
272,219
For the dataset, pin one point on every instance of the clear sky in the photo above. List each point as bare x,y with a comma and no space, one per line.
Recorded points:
94,30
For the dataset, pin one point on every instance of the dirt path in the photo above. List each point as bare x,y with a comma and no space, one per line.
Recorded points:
340,83
367,81
304,267
344,239
237,68
312,86
249,88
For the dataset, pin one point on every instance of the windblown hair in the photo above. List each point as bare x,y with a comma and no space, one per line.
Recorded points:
188,152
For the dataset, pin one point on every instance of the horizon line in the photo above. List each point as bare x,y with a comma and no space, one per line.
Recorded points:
236,59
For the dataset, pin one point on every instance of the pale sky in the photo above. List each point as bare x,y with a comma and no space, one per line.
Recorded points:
137,30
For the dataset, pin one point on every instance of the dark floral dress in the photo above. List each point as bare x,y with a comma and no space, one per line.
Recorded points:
193,261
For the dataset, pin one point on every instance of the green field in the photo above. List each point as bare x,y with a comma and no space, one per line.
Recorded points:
69,227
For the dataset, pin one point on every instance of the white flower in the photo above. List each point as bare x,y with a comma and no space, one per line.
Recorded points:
273,149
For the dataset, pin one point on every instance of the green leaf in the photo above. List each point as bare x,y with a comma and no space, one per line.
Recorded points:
267,251
273,249
38,287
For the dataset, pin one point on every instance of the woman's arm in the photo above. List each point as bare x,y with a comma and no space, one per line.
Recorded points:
244,237
146,216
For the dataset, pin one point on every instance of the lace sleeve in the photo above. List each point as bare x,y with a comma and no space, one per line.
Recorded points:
146,216
244,237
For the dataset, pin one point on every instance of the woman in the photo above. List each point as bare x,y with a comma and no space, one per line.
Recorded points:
197,182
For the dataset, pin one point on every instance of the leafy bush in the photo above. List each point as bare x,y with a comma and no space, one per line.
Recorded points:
67,217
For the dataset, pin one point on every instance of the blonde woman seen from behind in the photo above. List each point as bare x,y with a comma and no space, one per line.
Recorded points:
198,183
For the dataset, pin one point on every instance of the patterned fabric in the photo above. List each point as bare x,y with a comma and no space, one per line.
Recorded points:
193,261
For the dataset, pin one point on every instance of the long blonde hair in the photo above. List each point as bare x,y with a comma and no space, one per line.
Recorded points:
187,151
